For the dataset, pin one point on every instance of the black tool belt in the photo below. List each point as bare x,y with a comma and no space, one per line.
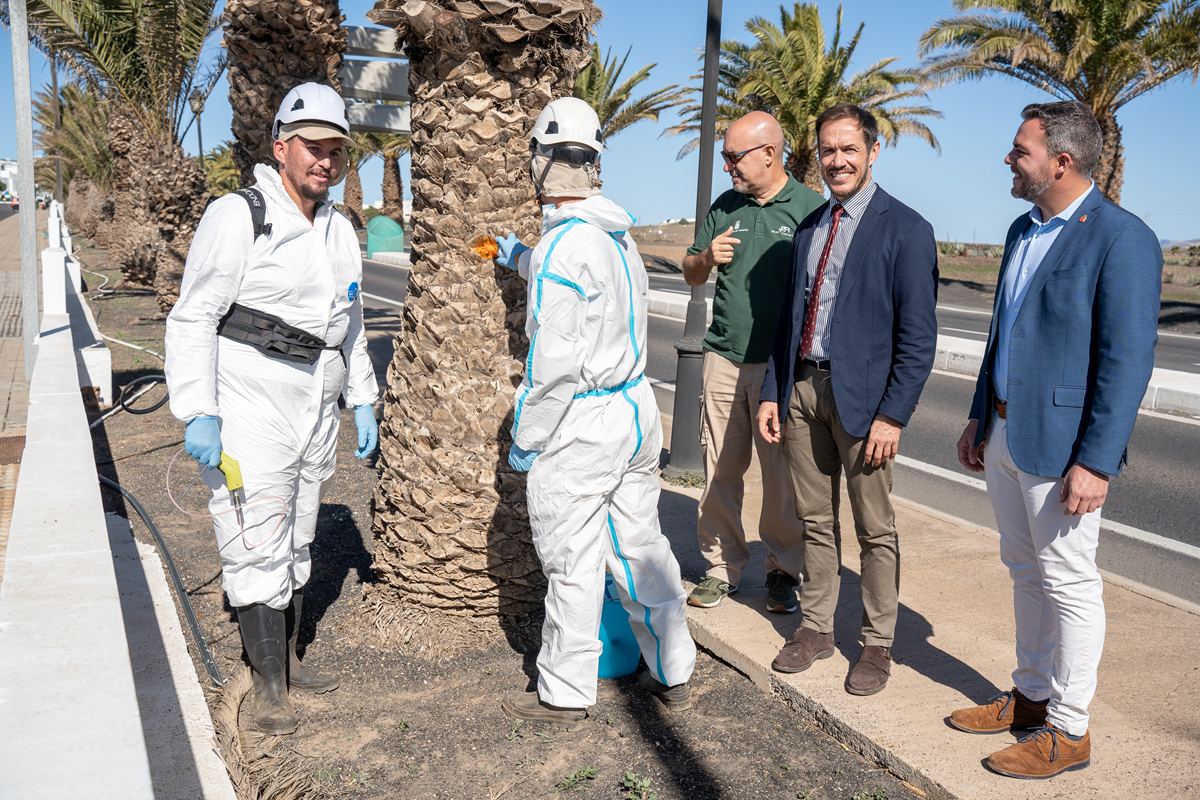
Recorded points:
271,336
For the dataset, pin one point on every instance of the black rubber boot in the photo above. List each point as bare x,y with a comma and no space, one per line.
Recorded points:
300,677
263,635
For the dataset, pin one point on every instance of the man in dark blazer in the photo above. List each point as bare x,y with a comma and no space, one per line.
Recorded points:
853,348
1068,358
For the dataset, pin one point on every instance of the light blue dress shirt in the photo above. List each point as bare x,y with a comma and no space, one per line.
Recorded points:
1032,248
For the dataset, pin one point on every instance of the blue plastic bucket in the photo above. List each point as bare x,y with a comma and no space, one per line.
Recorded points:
621,652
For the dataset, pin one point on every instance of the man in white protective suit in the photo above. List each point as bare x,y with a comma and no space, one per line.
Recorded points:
267,333
587,430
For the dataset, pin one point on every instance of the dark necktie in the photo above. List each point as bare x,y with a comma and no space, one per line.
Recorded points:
814,296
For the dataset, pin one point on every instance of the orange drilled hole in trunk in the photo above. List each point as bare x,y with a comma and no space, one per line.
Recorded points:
485,248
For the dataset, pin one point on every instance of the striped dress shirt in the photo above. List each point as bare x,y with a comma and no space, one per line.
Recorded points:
852,215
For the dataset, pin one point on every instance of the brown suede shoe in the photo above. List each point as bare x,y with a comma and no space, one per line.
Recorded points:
1042,754
805,647
871,673
1006,711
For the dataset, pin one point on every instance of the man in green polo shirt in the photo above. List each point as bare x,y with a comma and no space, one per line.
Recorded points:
747,239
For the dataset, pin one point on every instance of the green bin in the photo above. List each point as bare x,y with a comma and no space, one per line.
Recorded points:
384,235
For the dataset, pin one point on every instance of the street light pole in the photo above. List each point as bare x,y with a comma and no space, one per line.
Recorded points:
686,453
196,101
30,322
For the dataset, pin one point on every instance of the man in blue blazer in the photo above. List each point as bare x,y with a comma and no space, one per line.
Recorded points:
852,350
1068,358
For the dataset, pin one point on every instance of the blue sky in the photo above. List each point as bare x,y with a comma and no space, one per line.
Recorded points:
963,191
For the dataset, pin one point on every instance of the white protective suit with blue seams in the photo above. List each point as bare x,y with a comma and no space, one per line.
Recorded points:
592,492
278,419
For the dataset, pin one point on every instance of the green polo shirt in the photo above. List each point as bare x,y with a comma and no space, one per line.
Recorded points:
750,288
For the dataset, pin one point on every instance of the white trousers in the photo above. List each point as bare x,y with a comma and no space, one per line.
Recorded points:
284,436
593,502
1057,589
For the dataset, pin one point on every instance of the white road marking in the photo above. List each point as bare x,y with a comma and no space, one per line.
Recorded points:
397,303
964,330
668,386
1128,531
961,310
1179,335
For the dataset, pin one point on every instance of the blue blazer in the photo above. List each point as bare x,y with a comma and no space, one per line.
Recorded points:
1082,345
884,323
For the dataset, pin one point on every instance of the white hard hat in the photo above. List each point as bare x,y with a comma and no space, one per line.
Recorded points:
568,120
315,103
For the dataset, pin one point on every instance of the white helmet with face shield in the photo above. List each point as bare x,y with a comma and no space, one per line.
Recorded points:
565,149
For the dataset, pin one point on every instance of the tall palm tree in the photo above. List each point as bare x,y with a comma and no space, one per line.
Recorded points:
1103,53
454,561
597,86
366,146
81,145
391,147
146,57
793,72
274,47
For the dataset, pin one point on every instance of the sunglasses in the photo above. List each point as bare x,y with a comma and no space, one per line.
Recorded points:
732,159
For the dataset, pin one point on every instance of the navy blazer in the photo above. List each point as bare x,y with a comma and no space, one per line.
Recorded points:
1082,346
884,324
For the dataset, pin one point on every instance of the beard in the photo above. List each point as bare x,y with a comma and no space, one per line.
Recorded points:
1032,186
309,192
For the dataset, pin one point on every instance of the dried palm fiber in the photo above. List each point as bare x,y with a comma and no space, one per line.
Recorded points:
454,560
259,765
75,204
97,218
273,46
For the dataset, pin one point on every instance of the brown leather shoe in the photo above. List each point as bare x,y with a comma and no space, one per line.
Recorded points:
1006,711
1042,754
871,673
805,647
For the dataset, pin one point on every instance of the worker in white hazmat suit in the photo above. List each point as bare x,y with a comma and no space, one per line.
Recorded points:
587,430
267,333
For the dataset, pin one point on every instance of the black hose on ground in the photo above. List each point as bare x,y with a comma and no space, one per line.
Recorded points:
180,592
124,403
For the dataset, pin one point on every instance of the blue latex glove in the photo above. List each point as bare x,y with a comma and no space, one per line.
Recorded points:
368,430
510,247
202,441
520,459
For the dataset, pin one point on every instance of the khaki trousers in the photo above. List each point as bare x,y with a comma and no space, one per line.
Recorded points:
729,407
818,448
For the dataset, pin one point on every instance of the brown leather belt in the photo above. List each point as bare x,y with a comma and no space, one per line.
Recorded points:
1001,407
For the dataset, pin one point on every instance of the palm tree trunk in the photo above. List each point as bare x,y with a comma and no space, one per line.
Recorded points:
454,561
1110,172
393,188
273,46
806,168
352,197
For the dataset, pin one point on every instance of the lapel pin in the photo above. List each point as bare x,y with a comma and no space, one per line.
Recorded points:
1083,218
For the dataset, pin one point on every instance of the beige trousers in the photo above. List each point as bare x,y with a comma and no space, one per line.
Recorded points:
729,406
818,448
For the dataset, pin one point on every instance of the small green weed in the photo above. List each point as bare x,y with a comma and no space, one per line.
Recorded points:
403,726
515,734
638,788
487,671
837,771
611,721
328,774
576,779
359,779
545,736
878,794
804,794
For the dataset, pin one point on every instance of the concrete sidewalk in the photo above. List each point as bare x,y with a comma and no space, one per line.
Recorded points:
1169,390
955,648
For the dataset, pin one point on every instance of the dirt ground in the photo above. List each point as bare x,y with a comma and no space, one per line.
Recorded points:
963,281
405,727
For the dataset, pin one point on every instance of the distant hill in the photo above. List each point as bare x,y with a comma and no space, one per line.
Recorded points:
1167,244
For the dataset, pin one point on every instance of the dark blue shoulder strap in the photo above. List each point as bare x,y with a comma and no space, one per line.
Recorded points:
258,211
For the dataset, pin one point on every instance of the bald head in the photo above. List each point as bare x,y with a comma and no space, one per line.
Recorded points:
759,170
757,125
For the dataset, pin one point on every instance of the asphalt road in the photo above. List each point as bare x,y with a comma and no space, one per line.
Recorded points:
1150,504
